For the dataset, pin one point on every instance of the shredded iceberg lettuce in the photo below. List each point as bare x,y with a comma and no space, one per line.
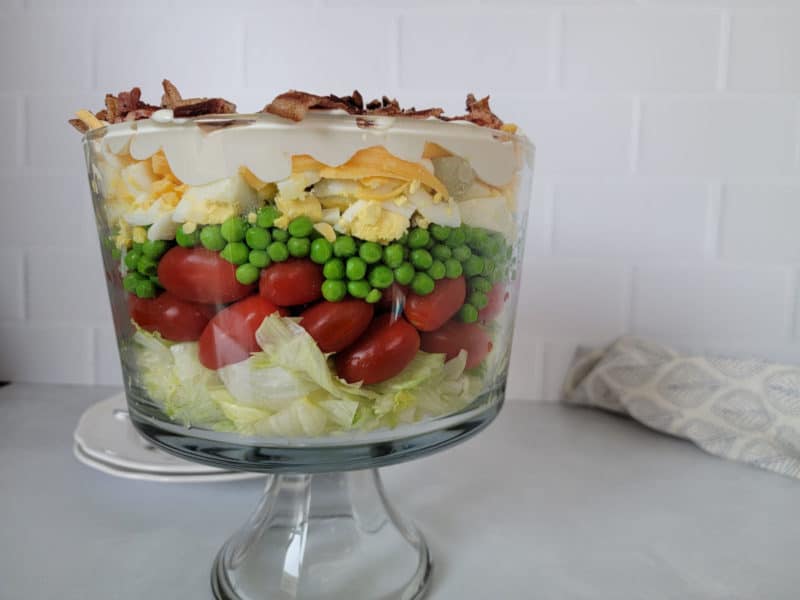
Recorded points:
290,388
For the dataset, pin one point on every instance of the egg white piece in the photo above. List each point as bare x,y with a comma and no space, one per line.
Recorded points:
488,213
293,187
215,202
442,213
163,228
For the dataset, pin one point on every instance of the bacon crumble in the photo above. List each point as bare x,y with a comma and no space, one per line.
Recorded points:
293,105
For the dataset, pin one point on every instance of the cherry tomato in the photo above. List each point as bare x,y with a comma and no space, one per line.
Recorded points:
292,282
456,336
336,325
230,336
497,299
200,275
382,352
175,319
395,293
430,312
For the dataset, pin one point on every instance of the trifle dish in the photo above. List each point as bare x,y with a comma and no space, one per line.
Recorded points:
321,286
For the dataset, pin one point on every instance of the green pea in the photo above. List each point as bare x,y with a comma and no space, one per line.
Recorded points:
403,239
132,259
437,270
280,235
473,266
422,284
137,246
145,289
334,290
421,259
321,251
187,240
277,251
358,289
441,252
462,253
301,227
478,299
266,216
156,281
147,266
259,258
154,248
333,269
247,273
452,268
373,296
478,238
130,280
299,247
456,238
381,277
439,232
370,252
236,253
233,229
468,313
489,267
258,238
211,238
344,246
418,238
480,284
116,253
393,255
356,268
404,274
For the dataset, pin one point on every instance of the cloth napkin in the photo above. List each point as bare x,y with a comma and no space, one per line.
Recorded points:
740,409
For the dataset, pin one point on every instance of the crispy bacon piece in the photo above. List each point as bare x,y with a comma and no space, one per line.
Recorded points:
79,125
478,112
193,107
295,105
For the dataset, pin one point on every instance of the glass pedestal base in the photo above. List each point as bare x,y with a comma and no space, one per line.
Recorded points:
323,536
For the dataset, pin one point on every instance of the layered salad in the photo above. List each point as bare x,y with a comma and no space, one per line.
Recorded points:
321,267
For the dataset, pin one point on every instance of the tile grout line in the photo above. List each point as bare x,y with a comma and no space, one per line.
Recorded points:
724,47
555,63
395,51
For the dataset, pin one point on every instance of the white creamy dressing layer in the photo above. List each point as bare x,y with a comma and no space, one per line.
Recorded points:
216,147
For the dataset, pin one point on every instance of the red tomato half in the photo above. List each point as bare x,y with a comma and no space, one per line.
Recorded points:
497,299
382,352
175,319
293,282
336,325
200,275
430,312
230,336
456,336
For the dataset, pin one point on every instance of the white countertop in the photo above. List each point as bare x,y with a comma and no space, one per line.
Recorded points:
549,502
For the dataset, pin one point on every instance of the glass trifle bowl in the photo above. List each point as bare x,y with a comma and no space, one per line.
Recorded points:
312,299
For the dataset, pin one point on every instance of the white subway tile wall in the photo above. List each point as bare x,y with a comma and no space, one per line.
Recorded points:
667,194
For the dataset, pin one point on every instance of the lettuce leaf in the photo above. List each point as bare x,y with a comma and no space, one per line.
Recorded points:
290,388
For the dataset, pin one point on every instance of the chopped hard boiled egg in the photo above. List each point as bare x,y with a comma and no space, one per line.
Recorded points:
370,221
295,185
441,213
214,202
290,209
489,213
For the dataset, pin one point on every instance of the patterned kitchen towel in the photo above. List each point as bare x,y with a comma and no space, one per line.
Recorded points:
746,410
